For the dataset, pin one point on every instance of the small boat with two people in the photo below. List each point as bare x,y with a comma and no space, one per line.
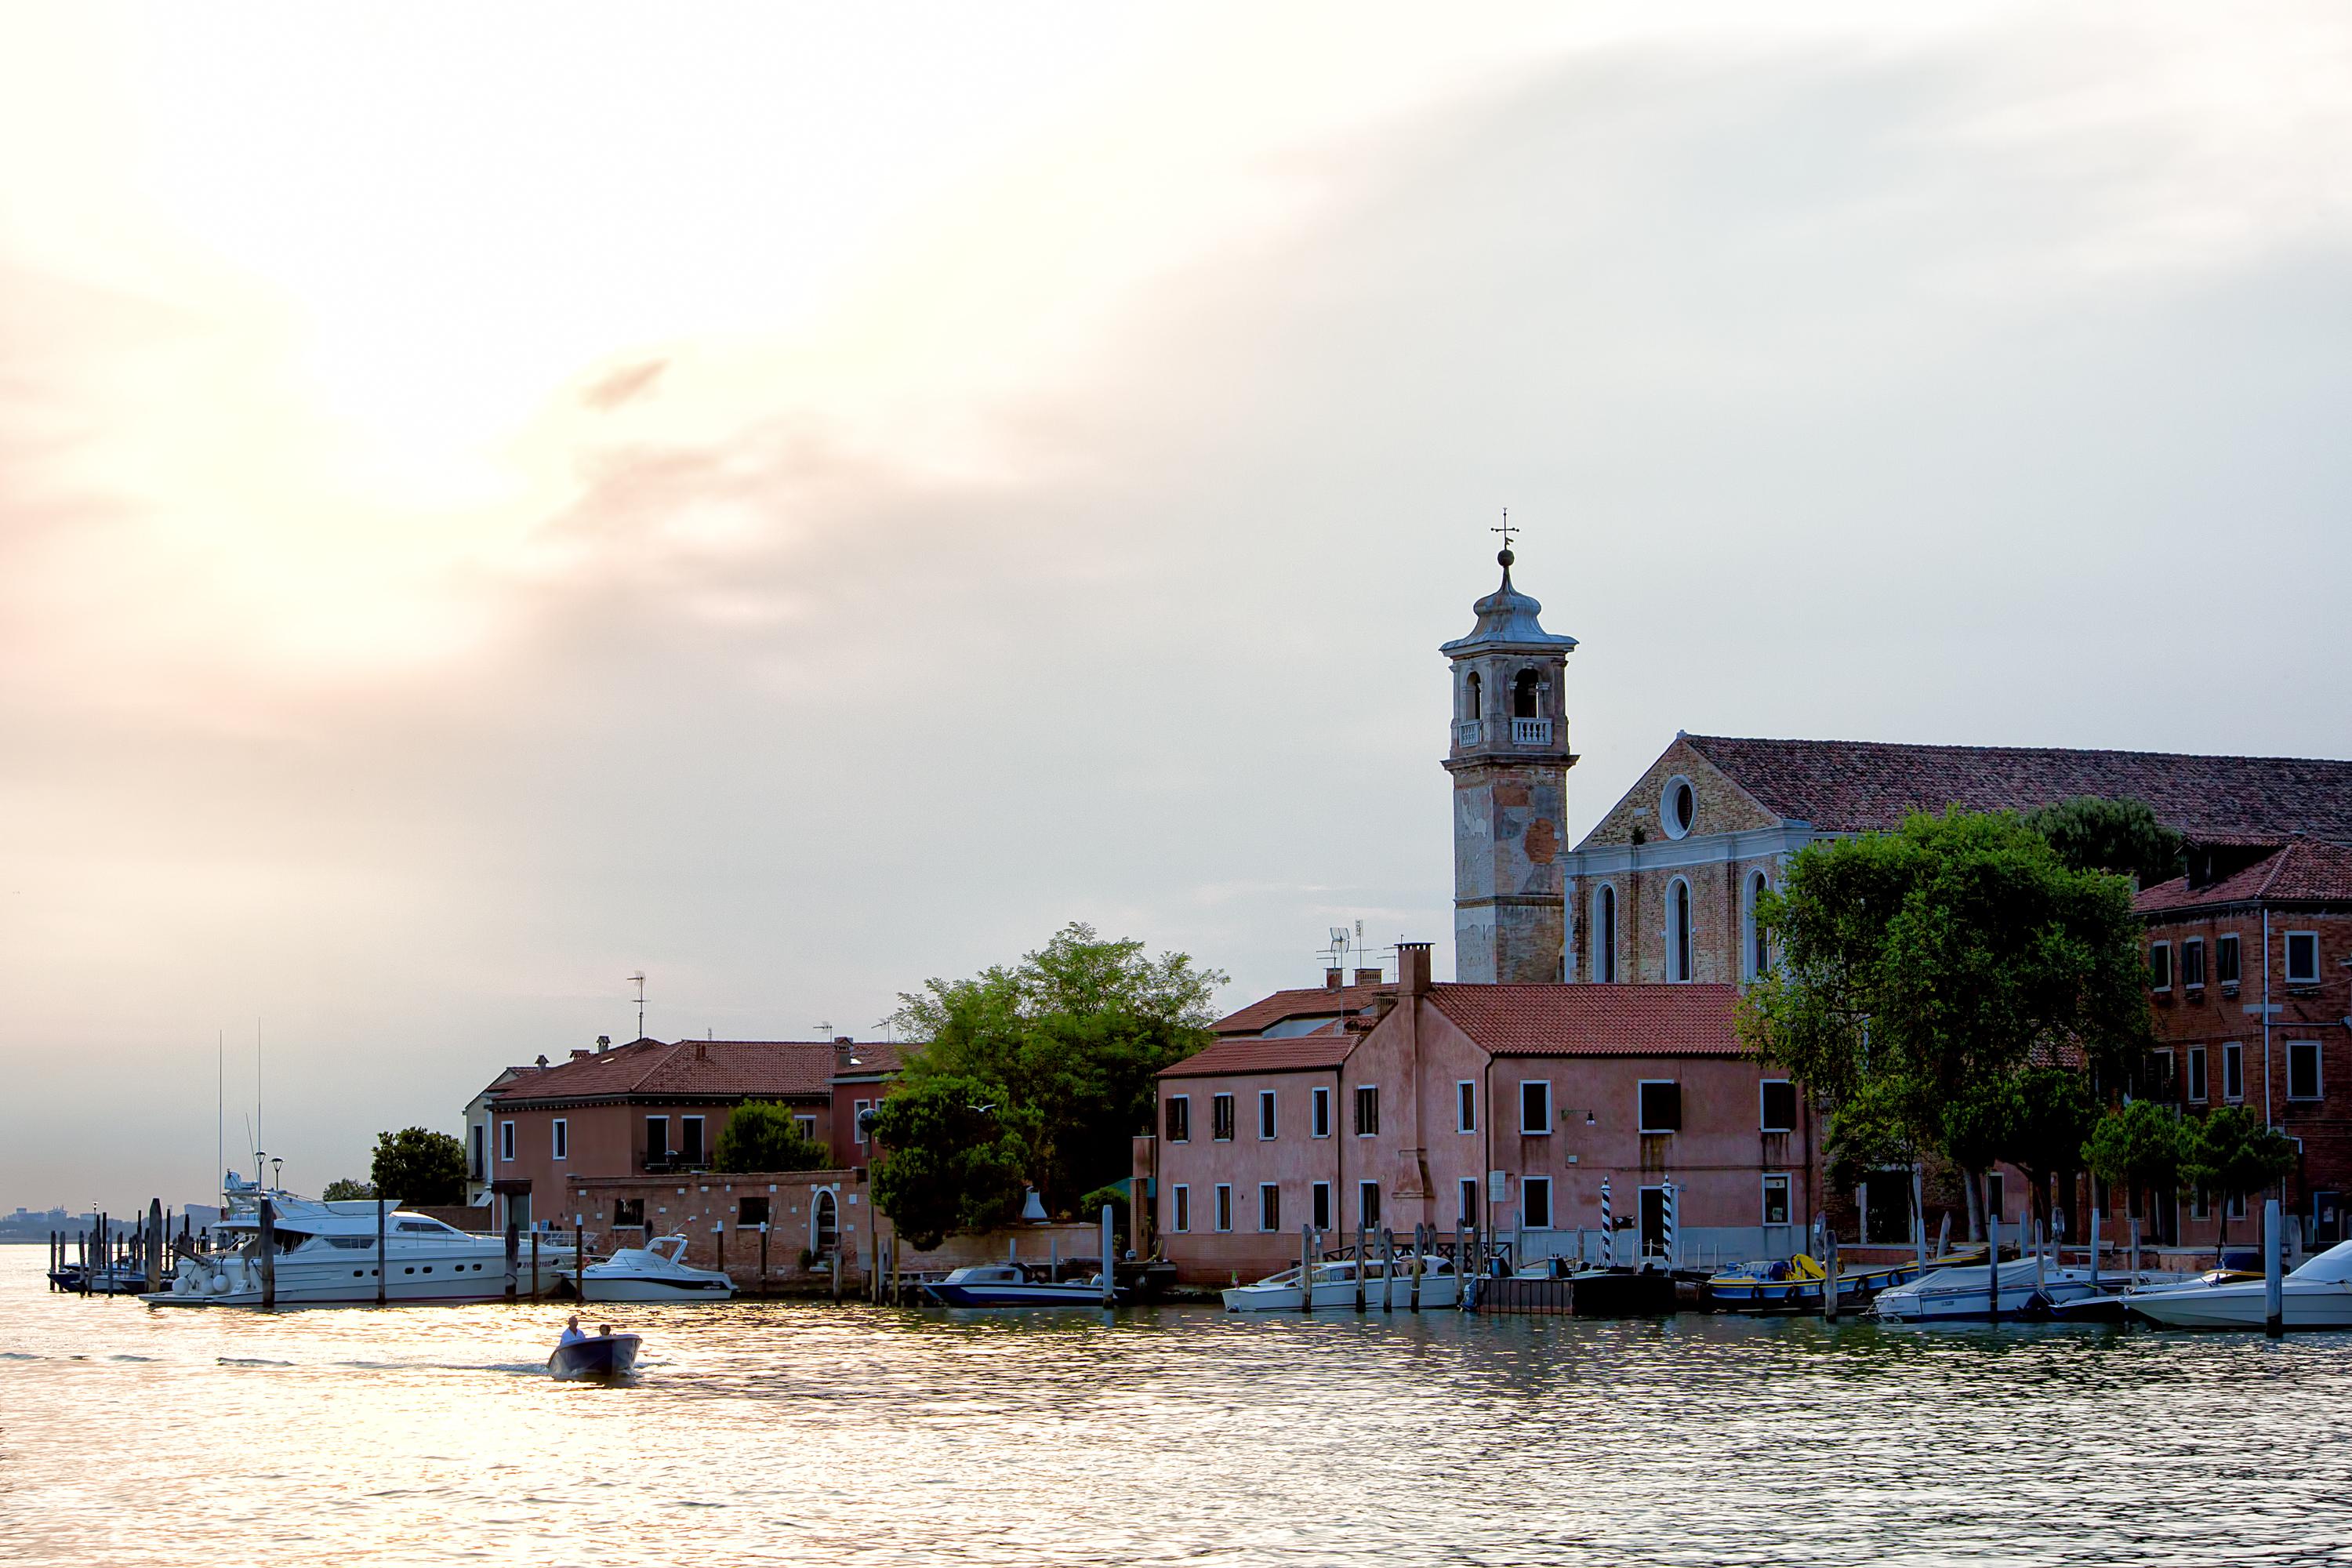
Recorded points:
1013,1284
657,1271
1334,1285
2317,1295
601,1355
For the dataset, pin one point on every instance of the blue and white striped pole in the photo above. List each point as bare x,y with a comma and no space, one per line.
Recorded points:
1608,1228
1673,1198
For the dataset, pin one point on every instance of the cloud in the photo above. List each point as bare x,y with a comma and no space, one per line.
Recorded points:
621,385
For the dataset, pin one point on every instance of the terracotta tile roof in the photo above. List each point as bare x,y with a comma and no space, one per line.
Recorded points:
876,1058
739,1069
1259,1016
1592,1020
1852,786
1249,1054
2305,871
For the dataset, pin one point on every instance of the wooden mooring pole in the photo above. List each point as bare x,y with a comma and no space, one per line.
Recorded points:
2274,1271
382,1253
1306,1268
579,1259
514,1250
1992,1263
269,1255
154,1244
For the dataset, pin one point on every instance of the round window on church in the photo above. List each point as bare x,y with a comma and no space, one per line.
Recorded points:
1679,806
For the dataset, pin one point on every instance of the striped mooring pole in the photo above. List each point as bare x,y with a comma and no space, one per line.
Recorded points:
1673,1198
1608,1228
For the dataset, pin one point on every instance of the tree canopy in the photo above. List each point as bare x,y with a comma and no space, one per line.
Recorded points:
1066,1045
418,1165
2136,1147
765,1135
1940,982
2122,836
2230,1154
346,1189
955,1151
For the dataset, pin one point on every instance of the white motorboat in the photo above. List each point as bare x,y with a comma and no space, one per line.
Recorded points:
649,1273
1962,1295
325,1254
1334,1287
2317,1296
1010,1285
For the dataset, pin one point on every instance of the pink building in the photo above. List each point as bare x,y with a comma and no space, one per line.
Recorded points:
1502,1106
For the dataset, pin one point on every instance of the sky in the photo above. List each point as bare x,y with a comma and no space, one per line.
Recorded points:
797,500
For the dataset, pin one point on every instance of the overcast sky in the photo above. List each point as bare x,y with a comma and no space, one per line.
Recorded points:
804,501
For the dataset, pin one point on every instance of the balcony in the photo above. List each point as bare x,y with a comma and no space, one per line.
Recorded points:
1531,731
1469,733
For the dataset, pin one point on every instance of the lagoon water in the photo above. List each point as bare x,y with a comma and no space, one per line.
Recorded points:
799,1433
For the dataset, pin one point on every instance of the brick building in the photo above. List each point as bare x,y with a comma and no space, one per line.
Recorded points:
657,1108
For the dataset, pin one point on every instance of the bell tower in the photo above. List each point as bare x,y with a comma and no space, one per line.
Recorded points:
1509,759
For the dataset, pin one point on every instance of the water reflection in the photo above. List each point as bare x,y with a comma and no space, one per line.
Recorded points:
773,1432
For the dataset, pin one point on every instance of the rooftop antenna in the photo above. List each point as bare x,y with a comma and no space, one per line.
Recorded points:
639,980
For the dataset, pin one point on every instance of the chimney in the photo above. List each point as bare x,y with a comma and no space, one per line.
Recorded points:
1368,977
542,1059
1412,968
604,1043
1334,977
845,1039
581,1053
701,1050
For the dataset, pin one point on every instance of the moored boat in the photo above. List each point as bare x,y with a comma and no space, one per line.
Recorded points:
2318,1295
1334,1286
647,1273
1010,1284
2027,1288
325,1254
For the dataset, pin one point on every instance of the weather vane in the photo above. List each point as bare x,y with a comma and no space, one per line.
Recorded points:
1507,530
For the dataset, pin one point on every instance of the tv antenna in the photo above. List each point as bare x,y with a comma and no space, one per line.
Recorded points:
639,980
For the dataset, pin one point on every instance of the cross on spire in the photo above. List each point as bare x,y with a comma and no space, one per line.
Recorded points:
1507,530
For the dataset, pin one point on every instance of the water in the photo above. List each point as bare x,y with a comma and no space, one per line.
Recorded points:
791,1432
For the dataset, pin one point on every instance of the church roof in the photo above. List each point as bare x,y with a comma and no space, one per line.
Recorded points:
1856,786
1506,620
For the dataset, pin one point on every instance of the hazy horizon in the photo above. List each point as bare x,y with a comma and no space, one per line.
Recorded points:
797,504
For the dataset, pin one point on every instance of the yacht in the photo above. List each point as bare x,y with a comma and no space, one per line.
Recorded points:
2317,1296
649,1273
1010,1285
325,1253
1333,1286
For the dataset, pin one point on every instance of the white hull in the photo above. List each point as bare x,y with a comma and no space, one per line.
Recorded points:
415,1274
654,1272
1438,1292
652,1290
2243,1305
1966,1294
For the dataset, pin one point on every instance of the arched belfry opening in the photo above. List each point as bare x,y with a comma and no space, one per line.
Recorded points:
1474,697
1526,695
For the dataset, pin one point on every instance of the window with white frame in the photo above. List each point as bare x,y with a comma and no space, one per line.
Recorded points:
2303,1069
1319,1105
1776,1198
2192,964
2160,1080
2225,958
1466,1106
1677,807
560,1141
1180,1119
1224,1207
2233,1071
1269,1206
2199,1203
1368,1205
858,1110
1182,1219
1267,1122
1678,930
690,1146
1535,1202
1534,1107
1368,1109
1604,933
2303,958
1320,1205
2160,966
1995,1194
1754,937
506,1141
1661,1105
1221,1118
2238,1207
2197,1085
1776,1109
807,1124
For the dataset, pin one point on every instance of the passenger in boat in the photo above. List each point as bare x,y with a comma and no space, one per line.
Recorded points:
603,1330
571,1334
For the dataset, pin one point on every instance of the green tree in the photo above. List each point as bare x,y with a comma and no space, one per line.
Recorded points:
1925,971
2123,837
2136,1147
418,1165
2036,1118
955,1151
2230,1154
764,1135
345,1189
1072,1039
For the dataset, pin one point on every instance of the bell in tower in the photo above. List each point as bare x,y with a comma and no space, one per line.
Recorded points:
1509,759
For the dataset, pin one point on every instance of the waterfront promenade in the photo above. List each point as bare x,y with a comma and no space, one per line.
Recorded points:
853,1435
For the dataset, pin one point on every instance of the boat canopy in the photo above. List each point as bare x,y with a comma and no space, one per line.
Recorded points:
2333,1267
